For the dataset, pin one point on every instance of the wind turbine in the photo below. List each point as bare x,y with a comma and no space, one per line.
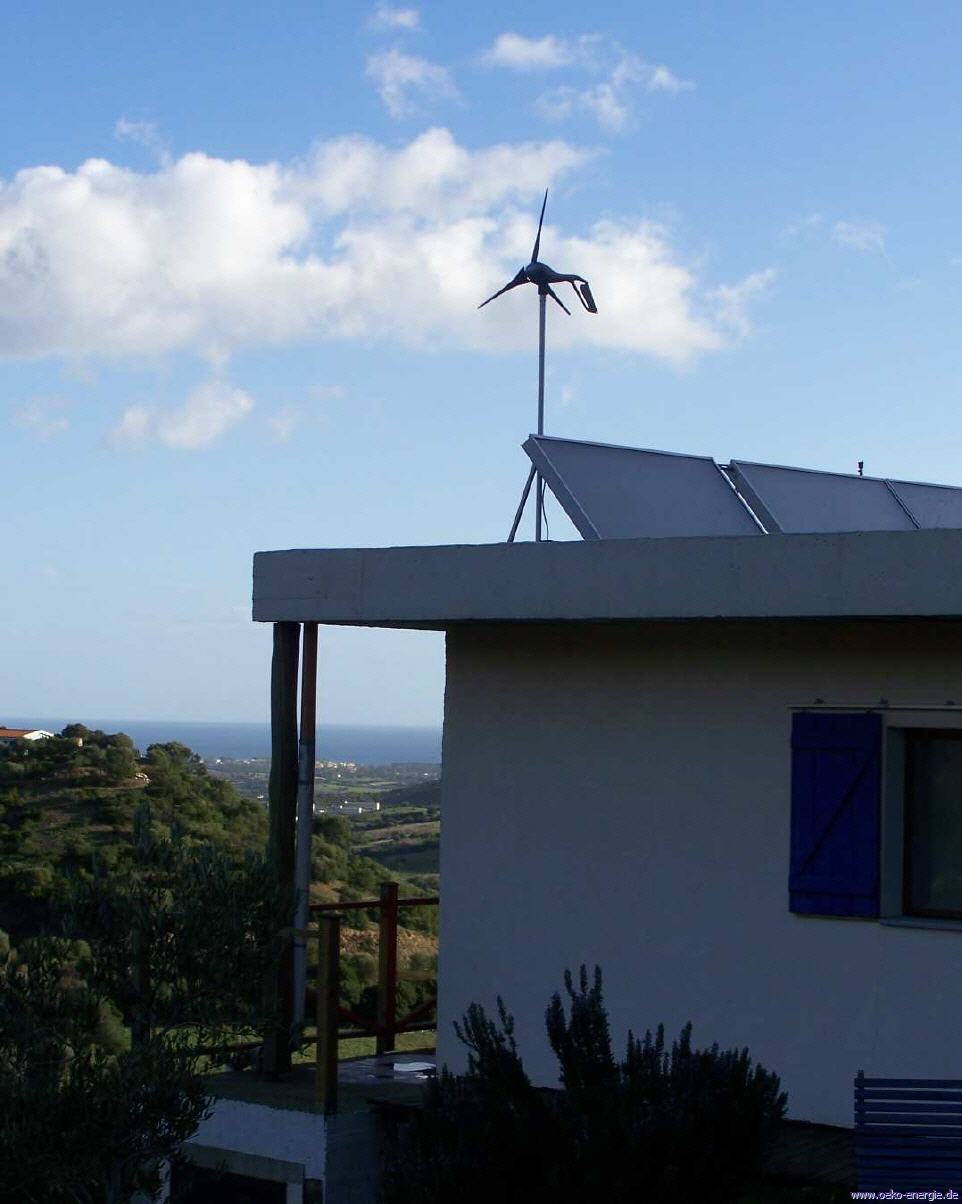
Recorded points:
540,274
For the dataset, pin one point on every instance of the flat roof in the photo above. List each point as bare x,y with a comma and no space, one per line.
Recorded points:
881,574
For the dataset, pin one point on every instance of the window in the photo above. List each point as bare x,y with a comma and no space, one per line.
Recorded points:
876,821
932,824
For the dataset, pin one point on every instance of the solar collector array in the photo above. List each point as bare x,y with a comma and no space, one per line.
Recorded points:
612,492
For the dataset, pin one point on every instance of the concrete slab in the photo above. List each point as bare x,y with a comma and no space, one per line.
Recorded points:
876,574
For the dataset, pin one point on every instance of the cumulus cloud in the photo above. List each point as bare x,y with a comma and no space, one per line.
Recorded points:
868,237
519,53
43,417
733,300
385,19
143,133
405,83
611,101
356,240
208,412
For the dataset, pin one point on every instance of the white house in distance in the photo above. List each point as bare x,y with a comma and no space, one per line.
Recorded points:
715,748
8,735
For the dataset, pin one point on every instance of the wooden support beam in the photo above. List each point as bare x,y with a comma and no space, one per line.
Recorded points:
387,968
328,966
306,757
282,798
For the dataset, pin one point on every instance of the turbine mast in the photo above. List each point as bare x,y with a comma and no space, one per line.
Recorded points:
540,274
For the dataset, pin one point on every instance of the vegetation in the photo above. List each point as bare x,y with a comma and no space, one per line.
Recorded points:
102,1041
67,818
82,1117
69,798
664,1125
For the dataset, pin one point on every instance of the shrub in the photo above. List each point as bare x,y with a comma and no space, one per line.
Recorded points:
664,1125
487,1135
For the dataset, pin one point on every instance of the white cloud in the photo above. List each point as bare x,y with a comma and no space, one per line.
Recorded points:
868,237
733,300
658,78
385,19
356,240
286,420
611,100
808,224
134,428
145,134
405,82
284,423
207,413
604,102
43,417
519,53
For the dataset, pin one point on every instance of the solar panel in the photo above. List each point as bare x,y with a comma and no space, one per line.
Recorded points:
931,505
796,500
613,492
630,493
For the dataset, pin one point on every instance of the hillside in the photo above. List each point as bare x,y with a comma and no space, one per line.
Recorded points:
69,800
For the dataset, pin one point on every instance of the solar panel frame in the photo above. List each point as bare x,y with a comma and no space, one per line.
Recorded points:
921,499
634,494
775,492
702,492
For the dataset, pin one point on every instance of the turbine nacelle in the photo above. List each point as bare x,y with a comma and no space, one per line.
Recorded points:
543,277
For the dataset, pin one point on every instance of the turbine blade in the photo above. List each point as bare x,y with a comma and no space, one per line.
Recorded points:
586,298
551,293
537,241
519,279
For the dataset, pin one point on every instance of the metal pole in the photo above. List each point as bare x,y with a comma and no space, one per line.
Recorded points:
305,812
539,487
521,505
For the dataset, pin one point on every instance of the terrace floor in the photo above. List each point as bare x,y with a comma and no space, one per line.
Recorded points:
370,1088
388,1078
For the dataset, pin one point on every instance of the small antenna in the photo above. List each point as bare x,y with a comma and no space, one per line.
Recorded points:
540,274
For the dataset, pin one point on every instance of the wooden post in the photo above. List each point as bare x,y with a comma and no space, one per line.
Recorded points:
328,965
305,812
387,969
282,797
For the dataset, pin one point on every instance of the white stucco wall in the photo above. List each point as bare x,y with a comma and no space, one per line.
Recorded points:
620,794
273,1133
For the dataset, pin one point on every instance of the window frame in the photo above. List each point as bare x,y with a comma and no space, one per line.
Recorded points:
910,736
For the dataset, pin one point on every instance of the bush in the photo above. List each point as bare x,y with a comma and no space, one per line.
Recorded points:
487,1135
663,1125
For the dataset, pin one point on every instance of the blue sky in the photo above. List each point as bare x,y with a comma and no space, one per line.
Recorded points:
240,250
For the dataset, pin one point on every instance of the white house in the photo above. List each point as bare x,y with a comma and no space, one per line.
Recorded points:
8,735
727,768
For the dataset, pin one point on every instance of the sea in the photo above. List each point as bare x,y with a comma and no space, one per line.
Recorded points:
366,745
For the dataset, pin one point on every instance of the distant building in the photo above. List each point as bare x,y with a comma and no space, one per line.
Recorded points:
8,735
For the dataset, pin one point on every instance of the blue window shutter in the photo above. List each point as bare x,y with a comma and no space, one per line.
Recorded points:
836,814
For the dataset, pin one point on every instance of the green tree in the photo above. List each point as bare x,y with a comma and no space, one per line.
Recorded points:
81,1120
180,944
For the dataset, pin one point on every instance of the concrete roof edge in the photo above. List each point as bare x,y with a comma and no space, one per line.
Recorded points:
878,574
